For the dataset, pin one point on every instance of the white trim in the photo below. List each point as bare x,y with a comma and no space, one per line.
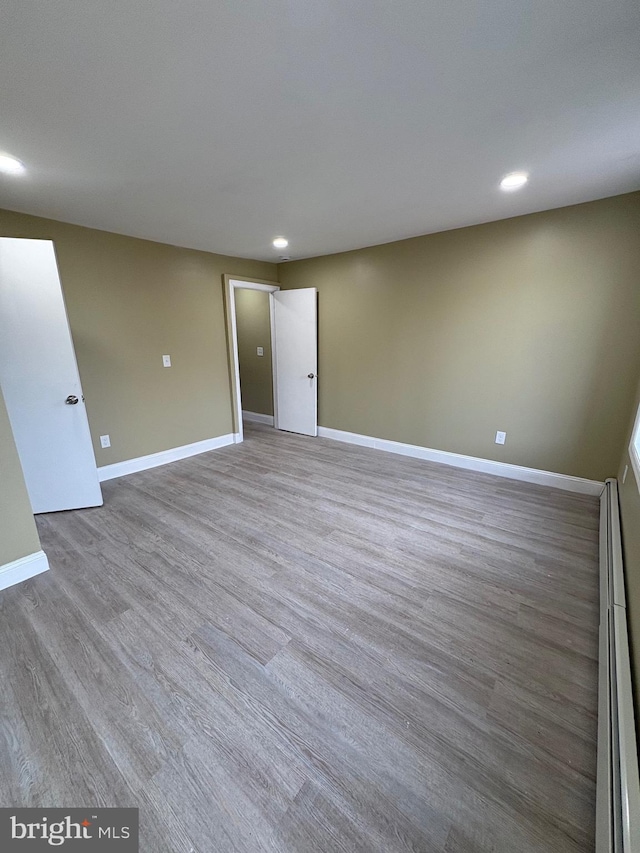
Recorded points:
634,455
274,357
471,463
23,569
257,418
153,460
231,285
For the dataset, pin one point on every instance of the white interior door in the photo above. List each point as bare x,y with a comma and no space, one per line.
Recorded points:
40,380
296,360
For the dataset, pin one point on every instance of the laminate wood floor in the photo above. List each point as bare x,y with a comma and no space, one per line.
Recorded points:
301,646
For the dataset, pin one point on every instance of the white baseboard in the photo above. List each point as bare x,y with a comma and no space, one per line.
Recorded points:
471,463
153,460
257,418
23,569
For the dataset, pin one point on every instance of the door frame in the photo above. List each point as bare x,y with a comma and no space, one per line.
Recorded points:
231,284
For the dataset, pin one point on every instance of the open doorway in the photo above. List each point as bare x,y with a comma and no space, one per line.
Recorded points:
293,343
232,286
253,325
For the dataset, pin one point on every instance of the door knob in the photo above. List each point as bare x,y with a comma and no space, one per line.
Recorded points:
71,400
311,376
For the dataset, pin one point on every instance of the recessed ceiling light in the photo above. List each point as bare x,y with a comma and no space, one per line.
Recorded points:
11,165
281,242
514,180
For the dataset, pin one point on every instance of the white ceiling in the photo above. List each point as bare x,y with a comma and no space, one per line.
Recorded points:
219,124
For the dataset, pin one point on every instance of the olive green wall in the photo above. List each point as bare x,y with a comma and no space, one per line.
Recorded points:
254,330
18,534
130,302
630,517
529,325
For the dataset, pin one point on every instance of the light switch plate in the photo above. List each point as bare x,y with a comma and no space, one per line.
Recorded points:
105,441
260,350
501,437
166,361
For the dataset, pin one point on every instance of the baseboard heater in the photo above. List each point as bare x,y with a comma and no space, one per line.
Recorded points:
618,784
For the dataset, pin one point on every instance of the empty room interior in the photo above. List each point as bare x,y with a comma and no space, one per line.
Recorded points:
320,426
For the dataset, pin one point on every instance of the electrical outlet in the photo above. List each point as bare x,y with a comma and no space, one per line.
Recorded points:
260,350
624,476
501,437
105,441
166,361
